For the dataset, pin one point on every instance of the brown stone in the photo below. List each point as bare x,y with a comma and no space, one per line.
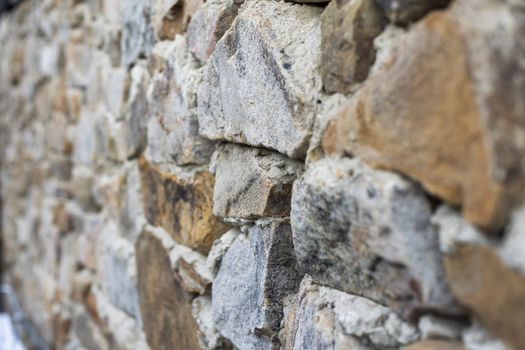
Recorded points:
165,305
348,29
494,292
420,117
436,345
171,17
182,205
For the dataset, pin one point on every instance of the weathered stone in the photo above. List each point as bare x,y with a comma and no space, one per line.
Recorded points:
253,183
368,233
348,30
173,130
165,305
476,337
261,85
484,284
325,318
137,33
218,249
423,119
181,203
209,338
403,12
171,17
435,327
208,25
436,345
256,273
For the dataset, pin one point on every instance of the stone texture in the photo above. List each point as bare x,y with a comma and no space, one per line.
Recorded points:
368,233
436,345
425,120
325,318
348,30
484,284
173,128
403,12
165,305
171,17
209,338
253,183
256,273
261,84
137,33
208,25
181,204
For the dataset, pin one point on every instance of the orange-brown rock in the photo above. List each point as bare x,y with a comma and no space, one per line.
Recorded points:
182,205
165,305
171,17
420,116
494,292
436,345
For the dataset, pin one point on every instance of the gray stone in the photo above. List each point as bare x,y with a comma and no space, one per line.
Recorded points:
432,326
348,30
252,183
208,25
325,318
368,233
173,130
256,273
137,33
261,85
218,249
209,337
403,12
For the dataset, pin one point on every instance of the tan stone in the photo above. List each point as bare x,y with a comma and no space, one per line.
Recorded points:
171,17
348,29
495,293
436,345
420,117
165,305
182,205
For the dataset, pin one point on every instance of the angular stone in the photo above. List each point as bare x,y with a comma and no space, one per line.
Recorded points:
209,338
137,33
218,249
348,30
165,305
208,25
425,120
173,130
325,318
181,203
256,273
261,85
368,232
403,12
253,183
490,289
436,345
171,17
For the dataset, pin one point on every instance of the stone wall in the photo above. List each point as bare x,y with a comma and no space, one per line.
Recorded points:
181,174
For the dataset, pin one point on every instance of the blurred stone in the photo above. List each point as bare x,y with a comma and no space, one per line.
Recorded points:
209,338
137,34
403,12
165,305
436,345
253,183
348,30
261,85
181,202
171,17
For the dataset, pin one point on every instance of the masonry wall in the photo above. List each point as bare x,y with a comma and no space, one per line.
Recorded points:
180,174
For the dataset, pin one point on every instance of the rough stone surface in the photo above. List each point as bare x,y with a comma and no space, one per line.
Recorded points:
171,17
403,12
256,273
261,85
368,233
348,29
436,345
137,34
253,183
209,338
181,204
325,318
166,308
173,128
208,25
441,136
